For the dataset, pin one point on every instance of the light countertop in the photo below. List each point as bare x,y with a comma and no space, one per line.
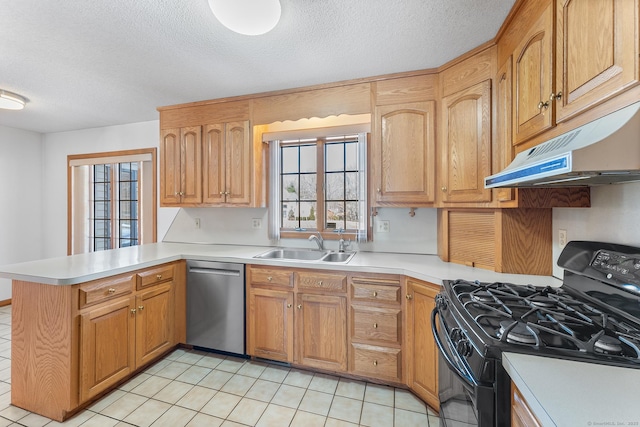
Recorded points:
567,393
75,269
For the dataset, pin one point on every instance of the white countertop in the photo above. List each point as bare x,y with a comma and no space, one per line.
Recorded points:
75,269
567,393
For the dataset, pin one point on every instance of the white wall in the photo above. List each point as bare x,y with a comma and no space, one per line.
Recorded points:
20,199
57,146
614,217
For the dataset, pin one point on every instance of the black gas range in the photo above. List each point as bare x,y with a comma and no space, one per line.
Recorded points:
593,317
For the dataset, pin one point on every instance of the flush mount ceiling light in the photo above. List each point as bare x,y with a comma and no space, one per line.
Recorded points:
249,17
11,101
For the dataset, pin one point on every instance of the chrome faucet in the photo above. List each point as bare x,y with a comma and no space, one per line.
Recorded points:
318,239
342,245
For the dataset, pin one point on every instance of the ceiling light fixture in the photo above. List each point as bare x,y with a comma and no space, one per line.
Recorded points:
11,101
249,17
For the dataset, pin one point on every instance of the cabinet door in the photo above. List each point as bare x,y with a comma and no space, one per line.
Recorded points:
213,162
597,52
270,324
404,152
321,337
170,169
106,346
503,154
533,79
191,164
423,354
154,323
466,153
238,163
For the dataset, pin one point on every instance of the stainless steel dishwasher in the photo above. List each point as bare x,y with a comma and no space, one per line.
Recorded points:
215,306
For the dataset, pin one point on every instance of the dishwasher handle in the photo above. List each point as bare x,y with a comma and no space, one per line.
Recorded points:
215,271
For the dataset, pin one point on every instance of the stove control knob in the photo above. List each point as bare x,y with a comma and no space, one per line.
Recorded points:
455,334
441,302
464,348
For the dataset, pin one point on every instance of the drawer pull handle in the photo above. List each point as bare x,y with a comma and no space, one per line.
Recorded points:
409,297
133,311
375,326
111,291
288,305
375,363
375,294
299,306
269,278
141,307
159,277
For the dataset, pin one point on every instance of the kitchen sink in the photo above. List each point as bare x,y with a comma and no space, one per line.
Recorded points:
309,255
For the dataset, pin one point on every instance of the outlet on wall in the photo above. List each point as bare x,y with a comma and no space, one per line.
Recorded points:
196,222
562,238
256,223
382,226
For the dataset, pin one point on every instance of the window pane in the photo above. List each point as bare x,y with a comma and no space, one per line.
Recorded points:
125,191
335,157
352,219
351,186
308,215
134,190
308,187
125,171
335,186
308,161
289,159
351,149
334,215
290,187
289,215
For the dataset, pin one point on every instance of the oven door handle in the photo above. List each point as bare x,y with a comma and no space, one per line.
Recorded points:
465,377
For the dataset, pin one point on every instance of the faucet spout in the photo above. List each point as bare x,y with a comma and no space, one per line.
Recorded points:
318,239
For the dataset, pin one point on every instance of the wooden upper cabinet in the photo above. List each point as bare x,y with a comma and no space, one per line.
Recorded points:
503,151
597,52
213,157
533,79
404,152
181,166
466,144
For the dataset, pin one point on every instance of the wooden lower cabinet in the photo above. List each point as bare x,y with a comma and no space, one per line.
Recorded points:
71,344
422,351
521,415
270,324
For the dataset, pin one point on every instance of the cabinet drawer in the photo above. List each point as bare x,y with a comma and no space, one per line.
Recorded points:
315,280
153,276
375,291
103,290
377,362
271,277
376,324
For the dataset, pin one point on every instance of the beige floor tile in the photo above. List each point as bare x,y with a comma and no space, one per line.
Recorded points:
122,407
151,386
191,357
406,400
175,417
147,413
194,374
409,418
306,419
288,396
210,360
332,422
173,370
374,415
173,392
5,401
238,384
105,401
176,354
99,420
196,398
252,369
316,402
14,413
248,411
298,378
34,420
221,405
228,423
324,383
135,382
6,423
276,415
263,390
74,421
379,394
216,379
276,374
157,367
346,409
231,364
434,421
350,388
204,420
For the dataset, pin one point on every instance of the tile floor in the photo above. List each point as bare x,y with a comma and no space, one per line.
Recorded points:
192,388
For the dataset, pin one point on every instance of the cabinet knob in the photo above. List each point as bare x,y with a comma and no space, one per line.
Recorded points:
555,97
133,311
141,307
444,188
409,296
222,193
542,105
375,363
375,326
159,276
299,306
288,305
319,282
375,294
269,278
111,291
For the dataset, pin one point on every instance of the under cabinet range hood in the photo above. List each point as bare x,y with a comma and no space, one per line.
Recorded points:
605,151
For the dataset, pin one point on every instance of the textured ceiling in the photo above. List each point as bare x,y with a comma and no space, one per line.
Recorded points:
92,63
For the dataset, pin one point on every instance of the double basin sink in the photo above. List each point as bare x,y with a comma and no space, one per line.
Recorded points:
308,255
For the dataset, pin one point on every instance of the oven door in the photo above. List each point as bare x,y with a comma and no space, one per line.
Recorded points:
464,401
